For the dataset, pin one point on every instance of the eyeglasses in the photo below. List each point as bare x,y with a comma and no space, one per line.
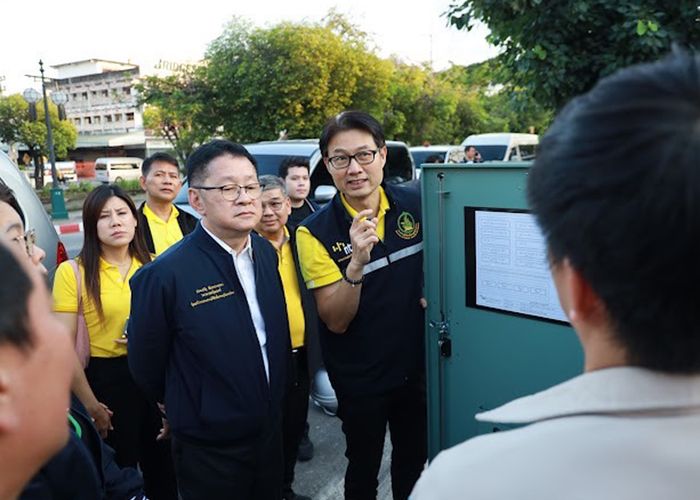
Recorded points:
341,162
28,241
275,206
231,192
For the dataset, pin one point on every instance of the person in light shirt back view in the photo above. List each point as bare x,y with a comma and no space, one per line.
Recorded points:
621,227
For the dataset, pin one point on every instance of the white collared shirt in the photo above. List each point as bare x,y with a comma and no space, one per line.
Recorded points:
620,433
243,263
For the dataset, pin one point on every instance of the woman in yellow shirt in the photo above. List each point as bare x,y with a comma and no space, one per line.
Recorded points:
113,250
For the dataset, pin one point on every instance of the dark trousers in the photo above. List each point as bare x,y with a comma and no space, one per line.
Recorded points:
136,423
246,470
364,423
296,409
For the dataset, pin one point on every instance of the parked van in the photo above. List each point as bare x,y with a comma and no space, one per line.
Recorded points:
504,146
108,170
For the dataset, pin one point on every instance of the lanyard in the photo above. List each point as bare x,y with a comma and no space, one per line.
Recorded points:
76,426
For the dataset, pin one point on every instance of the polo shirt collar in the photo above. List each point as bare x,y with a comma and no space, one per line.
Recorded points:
383,204
610,391
106,265
151,215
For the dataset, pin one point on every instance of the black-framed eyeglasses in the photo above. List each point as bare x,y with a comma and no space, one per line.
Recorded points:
231,192
365,157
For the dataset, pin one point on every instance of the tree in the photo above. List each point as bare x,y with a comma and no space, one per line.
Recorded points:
556,49
15,126
292,77
177,108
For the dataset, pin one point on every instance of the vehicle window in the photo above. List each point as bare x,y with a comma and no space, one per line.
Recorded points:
420,157
124,166
492,153
100,166
528,151
514,156
399,167
320,176
269,164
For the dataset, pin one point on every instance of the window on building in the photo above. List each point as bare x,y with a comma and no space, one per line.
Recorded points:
108,118
130,117
88,120
77,121
93,93
74,96
96,120
84,96
117,117
126,90
105,93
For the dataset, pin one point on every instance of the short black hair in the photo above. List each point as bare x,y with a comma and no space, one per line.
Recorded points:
350,120
8,196
293,161
627,216
468,146
164,157
200,158
15,288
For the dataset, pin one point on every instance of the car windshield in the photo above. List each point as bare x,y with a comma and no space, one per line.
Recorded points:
419,157
491,153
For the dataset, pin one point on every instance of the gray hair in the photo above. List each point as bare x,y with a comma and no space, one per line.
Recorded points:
269,182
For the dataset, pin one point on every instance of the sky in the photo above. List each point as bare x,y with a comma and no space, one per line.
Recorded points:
146,31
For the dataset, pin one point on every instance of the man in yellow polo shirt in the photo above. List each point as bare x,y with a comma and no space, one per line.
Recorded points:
301,313
163,224
362,255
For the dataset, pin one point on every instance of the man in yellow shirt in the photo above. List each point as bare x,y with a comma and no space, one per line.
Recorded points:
301,313
362,254
163,224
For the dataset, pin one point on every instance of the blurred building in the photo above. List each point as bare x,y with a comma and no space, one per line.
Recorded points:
103,105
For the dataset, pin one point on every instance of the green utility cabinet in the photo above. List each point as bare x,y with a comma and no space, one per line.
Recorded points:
494,327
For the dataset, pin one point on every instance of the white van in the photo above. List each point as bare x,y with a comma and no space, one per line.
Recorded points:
504,146
109,170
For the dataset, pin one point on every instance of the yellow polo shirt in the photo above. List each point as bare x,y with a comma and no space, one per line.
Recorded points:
292,294
115,294
164,233
317,266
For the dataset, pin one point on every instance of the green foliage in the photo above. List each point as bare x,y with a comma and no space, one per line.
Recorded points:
176,108
130,185
15,126
292,77
556,49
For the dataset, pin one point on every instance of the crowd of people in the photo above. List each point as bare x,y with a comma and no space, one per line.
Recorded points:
176,356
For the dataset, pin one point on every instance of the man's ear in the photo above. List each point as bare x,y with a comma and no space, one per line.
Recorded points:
9,418
195,198
578,299
142,183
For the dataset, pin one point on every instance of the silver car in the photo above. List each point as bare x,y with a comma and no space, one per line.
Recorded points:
35,216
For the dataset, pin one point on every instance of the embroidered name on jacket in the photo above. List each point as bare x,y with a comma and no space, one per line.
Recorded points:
210,293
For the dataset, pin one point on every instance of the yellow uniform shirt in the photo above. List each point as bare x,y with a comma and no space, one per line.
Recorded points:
116,304
164,233
292,295
317,266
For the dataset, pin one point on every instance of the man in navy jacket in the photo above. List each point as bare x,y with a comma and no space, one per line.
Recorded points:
208,336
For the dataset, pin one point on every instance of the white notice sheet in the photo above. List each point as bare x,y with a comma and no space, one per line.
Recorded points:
512,273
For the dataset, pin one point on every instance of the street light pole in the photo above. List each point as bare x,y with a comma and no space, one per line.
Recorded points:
58,203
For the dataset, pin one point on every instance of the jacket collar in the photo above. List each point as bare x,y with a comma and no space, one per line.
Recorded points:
610,391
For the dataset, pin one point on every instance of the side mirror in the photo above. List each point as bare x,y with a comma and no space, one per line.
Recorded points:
324,194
